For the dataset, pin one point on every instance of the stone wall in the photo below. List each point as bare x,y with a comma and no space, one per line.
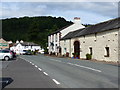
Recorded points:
98,42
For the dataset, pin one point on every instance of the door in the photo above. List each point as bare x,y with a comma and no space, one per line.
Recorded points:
77,48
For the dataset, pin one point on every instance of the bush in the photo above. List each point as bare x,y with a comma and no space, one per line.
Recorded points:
88,56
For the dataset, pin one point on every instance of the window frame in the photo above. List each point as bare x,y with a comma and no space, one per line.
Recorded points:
107,52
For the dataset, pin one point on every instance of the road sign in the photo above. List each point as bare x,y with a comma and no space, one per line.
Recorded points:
3,44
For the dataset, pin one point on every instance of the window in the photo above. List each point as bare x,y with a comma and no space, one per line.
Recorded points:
65,49
95,34
107,52
0,51
56,38
84,36
90,50
4,51
60,35
115,34
64,42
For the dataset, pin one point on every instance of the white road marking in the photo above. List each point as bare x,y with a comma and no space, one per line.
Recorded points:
32,63
55,60
88,68
40,69
58,61
45,73
52,59
36,66
70,63
56,81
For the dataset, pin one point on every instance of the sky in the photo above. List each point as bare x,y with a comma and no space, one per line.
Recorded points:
89,12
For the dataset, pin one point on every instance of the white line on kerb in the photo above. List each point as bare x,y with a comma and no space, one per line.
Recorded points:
45,73
56,81
88,68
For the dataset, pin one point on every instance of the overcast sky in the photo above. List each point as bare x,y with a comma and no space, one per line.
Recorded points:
89,12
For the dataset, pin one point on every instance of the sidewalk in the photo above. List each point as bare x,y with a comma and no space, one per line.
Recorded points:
93,60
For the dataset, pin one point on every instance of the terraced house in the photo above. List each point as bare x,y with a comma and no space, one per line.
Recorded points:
54,38
100,40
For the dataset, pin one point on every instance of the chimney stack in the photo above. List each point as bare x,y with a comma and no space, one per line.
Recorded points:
77,20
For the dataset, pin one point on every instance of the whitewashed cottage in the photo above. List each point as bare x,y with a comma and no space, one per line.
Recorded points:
101,40
20,47
54,38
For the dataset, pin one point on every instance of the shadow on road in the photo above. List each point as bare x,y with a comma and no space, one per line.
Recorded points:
5,81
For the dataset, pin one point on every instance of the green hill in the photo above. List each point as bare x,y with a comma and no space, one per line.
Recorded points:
33,29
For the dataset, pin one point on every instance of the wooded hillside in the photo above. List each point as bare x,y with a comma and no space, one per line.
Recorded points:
33,29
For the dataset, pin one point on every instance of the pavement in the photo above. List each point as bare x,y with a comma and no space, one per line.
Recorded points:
70,73
21,74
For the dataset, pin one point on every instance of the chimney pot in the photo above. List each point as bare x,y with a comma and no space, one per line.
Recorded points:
77,20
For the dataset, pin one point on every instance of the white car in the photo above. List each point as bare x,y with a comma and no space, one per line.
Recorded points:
6,55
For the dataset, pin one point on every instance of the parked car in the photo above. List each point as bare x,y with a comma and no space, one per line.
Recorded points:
28,53
6,55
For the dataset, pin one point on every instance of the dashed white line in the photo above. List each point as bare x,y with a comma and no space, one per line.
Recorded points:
36,66
45,73
56,81
32,63
40,69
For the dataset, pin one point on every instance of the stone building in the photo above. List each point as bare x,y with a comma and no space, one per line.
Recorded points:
54,38
100,40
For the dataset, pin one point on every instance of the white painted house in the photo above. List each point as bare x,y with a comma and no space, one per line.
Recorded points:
101,40
21,46
54,38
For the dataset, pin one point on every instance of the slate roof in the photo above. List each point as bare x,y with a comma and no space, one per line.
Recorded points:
27,44
100,27
71,34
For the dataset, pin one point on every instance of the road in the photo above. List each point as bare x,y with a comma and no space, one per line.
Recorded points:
21,74
71,73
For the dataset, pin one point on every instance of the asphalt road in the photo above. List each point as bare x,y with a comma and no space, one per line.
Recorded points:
21,74
70,73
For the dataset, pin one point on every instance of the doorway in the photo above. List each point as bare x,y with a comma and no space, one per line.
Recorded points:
77,48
